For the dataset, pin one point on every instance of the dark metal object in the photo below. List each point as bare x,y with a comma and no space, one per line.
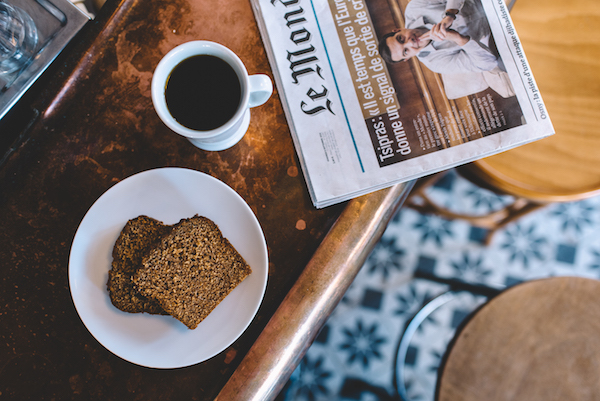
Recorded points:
429,307
57,22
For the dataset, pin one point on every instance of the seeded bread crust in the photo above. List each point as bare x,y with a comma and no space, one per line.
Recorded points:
191,271
135,241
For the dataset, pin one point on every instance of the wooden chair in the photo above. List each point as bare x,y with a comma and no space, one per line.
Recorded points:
537,340
550,316
564,55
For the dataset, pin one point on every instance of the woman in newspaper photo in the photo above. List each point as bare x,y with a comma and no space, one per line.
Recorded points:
448,37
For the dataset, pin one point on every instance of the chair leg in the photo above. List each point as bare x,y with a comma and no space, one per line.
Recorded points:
493,221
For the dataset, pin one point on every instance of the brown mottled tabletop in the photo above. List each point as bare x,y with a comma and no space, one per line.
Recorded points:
85,126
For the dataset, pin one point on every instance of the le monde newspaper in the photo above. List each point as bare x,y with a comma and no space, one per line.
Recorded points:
374,98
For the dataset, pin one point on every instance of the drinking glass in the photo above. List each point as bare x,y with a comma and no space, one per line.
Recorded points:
18,38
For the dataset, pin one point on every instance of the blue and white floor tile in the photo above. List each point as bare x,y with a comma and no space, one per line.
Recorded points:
355,355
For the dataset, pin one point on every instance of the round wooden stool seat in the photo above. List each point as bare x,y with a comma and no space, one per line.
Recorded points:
550,170
535,341
565,166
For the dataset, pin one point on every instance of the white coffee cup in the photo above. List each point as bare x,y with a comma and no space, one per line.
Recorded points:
255,91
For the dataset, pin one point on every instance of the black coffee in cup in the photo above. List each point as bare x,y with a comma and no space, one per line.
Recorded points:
203,92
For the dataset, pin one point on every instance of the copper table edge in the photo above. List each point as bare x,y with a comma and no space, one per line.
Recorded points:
289,333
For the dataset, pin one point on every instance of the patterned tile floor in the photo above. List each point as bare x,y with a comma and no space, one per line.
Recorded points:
355,356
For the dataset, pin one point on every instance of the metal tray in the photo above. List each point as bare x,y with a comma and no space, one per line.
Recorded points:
57,22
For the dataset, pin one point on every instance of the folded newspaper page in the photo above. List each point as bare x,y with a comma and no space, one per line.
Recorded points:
378,92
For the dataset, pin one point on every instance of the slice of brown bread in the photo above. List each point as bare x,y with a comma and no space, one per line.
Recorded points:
191,271
135,241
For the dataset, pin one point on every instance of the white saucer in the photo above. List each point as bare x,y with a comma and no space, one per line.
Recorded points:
225,140
166,194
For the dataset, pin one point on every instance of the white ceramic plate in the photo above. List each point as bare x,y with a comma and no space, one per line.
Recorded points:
166,194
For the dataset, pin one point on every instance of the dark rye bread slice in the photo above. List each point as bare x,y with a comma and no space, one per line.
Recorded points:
135,241
191,271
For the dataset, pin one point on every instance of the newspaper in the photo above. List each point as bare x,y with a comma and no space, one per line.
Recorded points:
361,122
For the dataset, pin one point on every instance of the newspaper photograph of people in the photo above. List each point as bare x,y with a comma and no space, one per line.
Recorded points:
384,91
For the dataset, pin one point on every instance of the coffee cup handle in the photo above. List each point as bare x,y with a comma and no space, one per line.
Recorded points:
261,89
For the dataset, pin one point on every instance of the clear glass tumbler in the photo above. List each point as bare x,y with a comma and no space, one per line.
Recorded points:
18,38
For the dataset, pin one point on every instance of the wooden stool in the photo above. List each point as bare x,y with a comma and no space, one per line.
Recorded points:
566,166
535,341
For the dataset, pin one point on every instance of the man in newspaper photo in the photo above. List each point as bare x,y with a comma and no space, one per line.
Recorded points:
448,37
